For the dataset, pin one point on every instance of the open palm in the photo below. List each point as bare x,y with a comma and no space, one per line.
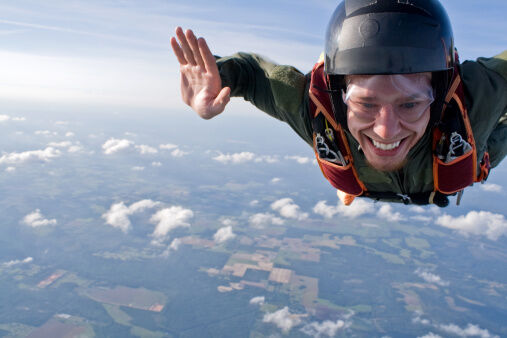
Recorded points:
201,86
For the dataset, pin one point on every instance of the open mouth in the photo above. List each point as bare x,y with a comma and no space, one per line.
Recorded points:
385,146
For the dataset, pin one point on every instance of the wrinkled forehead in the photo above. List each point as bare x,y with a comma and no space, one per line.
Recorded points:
390,84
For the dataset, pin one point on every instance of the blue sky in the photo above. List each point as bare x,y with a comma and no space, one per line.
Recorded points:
116,53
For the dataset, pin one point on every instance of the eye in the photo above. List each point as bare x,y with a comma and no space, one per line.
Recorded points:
409,105
367,105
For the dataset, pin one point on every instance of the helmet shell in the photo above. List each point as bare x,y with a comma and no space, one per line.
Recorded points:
389,37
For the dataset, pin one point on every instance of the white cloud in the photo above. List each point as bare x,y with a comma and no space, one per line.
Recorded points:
4,118
287,208
142,205
357,208
71,148
418,320
156,164
36,219
145,149
235,158
430,335
469,331
17,262
178,153
259,300
386,212
113,145
254,203
267,159
482,223
283,319
275,180
138,168
42,155
69,134
491,187
243,157
299,159
326,328
168,219
223,234
10,169
174,246
46,133
63,144
74,149
430,277
167,146
417,209
421,218
228,221
260,220
117,215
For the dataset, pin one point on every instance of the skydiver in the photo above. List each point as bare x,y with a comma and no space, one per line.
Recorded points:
389,111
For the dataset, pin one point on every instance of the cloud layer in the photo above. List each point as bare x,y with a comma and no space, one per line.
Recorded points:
114,145
17,262
326,328
223,234
243,157
356,209
117,215
44,155
287,208
36,219
264,219
430,277
482,223
283,319
168,219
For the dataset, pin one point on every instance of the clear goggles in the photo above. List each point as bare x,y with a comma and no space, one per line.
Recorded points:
407,95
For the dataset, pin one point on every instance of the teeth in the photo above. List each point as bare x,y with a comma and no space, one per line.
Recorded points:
385,146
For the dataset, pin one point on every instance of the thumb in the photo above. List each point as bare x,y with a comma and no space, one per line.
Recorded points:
222,99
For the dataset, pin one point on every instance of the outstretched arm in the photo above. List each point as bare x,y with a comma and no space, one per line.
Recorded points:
201,86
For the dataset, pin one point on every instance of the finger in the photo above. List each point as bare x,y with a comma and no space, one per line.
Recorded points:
209,59
187,51
195,48
178,52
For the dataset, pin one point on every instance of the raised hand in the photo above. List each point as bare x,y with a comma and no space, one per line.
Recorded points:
201,86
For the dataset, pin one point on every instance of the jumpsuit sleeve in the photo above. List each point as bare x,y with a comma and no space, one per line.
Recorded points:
486,93
278,90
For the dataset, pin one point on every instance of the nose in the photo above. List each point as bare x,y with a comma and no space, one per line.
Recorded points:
387,123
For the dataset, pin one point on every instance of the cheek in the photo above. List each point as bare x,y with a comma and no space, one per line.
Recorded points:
418,127
356,126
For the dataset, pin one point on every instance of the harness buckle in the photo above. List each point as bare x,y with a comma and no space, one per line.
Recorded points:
405,198
328,154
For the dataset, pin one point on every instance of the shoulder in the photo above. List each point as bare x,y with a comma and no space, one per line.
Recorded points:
485,82
496,63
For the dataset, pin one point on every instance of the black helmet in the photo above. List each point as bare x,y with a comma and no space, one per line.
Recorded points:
389,37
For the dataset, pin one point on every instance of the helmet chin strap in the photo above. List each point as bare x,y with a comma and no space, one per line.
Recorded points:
336,85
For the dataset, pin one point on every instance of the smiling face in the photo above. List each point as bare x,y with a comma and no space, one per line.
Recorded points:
387,115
